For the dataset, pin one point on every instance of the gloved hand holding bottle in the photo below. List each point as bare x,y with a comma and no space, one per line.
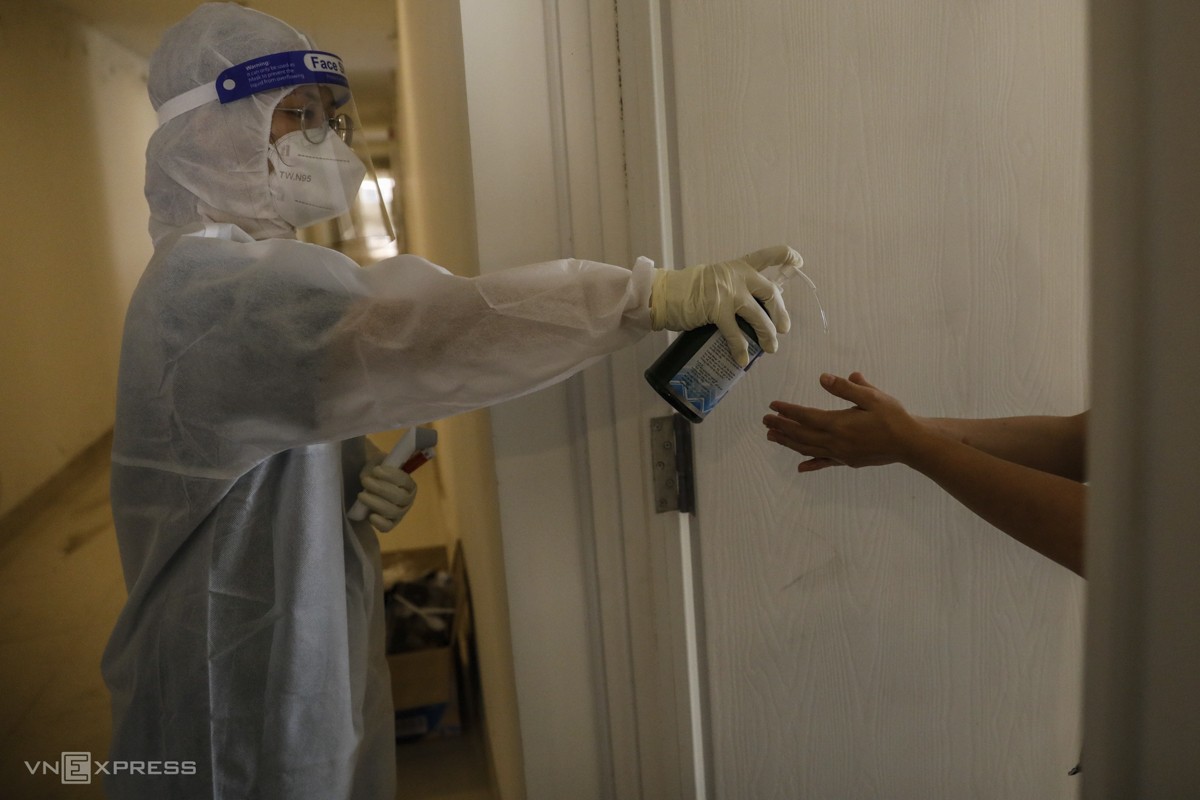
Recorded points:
719,293
388,492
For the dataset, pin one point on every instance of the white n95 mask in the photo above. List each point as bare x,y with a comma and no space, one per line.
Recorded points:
312,182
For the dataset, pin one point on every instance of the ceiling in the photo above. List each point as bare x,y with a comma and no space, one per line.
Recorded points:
362,32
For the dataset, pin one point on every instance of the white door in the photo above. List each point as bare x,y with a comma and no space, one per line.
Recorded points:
861,635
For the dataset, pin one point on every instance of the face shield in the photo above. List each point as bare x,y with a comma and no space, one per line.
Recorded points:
319,170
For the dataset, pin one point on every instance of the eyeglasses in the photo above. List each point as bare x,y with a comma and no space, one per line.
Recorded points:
316,124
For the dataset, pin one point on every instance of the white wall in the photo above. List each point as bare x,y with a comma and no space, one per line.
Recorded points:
73,222
865,636
518,211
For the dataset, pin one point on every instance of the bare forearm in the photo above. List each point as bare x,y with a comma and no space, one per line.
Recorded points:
1041,510
1057,445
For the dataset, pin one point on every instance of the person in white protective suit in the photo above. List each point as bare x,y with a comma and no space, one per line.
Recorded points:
249,659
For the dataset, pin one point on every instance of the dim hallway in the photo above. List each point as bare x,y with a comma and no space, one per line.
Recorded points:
61,590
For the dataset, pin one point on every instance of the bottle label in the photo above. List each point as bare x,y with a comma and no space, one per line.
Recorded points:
710,374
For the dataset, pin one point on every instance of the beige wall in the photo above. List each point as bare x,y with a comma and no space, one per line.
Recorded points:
73,224
434,180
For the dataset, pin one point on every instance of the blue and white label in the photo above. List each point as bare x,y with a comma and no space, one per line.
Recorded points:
710,374
292,68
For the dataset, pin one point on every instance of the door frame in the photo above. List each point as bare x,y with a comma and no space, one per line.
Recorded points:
645,588
586,78
1142,708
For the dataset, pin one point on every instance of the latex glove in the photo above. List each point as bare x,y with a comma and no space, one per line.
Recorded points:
388,492
682,299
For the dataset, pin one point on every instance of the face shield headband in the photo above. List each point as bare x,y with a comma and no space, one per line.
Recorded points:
363,228
275,71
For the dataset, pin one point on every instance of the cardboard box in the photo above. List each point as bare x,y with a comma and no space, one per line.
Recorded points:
427,682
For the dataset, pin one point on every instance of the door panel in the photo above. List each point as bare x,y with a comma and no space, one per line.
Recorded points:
864,636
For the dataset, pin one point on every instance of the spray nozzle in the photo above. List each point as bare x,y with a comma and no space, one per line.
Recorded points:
789,271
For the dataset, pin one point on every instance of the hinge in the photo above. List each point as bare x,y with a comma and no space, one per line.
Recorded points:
671,464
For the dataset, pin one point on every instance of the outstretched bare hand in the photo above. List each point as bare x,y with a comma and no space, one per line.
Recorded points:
876,431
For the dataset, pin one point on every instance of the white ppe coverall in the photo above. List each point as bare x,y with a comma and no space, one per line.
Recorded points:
249,659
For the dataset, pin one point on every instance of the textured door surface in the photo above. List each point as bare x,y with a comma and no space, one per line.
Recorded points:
864,636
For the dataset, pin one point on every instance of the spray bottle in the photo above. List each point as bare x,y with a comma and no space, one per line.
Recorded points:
698,369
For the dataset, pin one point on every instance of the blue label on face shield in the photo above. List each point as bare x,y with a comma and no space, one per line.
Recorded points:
280,69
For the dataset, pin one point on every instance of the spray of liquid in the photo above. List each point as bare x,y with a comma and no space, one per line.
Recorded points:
789,271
